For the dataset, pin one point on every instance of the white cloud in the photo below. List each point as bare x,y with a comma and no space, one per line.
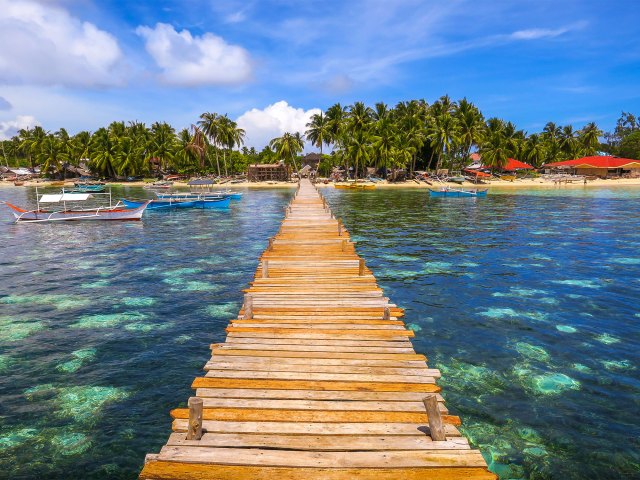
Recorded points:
45,45
537,33
10,127
189,60
261,126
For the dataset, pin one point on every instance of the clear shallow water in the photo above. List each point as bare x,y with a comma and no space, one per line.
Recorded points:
528,304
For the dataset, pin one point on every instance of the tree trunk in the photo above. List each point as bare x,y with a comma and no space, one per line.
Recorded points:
224,161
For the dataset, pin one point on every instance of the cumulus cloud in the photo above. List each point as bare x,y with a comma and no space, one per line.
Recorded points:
4,104
10,127
43,44
189,60
261,126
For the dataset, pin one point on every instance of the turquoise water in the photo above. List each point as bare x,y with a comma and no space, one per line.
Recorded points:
527,302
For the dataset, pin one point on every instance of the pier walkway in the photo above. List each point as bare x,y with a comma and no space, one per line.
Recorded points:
317,379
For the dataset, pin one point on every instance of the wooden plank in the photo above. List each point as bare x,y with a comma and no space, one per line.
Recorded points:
317,405
317,416
294,354
312,394
309,368
298,458
322,376
164,470
309,428
320,442
204,382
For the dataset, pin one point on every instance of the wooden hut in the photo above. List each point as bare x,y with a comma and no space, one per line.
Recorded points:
277,172
603,166
311,159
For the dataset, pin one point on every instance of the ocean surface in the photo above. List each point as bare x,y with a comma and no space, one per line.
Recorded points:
528,302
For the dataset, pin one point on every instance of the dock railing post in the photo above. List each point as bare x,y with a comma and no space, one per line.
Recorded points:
387,314
265,269
435,420
344,245
270,247
339,227
248,306
194,431
361,267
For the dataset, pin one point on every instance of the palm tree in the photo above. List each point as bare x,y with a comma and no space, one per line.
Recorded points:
589,138
495,151
52,155
536,151
358,149
471,127
288,146
104,150
318,130
336,120
384,142
210,125
162,143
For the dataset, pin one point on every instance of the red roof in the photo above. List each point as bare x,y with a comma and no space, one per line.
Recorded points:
513,164
604,161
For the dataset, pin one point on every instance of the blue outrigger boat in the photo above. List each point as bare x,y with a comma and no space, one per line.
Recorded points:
171,203
456,192
88,188
205,195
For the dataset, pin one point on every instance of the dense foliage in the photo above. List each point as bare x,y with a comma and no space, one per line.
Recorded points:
412,135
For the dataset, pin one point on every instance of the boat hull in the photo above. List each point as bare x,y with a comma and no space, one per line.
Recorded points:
114,214
171,204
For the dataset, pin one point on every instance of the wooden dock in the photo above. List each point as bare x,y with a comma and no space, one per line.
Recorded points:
317,378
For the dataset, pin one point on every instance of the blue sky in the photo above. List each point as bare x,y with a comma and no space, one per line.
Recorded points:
270,64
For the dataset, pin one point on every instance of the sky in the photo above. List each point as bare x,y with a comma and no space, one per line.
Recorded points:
271,64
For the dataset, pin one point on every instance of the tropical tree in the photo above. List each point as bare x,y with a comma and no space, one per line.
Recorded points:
210,123
288,146
318,132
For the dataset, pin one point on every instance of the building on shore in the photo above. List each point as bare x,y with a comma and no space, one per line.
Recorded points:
602,166
276,172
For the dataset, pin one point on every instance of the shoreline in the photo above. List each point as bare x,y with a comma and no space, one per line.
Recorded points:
515,185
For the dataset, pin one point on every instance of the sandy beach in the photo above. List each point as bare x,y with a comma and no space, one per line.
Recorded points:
523,184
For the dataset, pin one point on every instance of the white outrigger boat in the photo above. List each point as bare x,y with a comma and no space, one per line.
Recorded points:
71,212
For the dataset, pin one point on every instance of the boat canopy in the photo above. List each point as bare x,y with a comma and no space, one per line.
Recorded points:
64,197
201,181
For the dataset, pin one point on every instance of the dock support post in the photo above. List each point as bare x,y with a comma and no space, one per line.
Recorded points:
339,227
270,247
194,431
344,245
248,306
265,269
435,420
387,314
361,267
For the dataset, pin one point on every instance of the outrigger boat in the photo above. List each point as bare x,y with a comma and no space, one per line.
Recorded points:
88,188
201,195
170,203
456,192
111,212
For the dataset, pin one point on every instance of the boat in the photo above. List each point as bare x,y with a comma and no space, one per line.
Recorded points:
201,195
18,183
158,204
205,203
456,192
354,186
66,213
159,185
88,188
56,184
